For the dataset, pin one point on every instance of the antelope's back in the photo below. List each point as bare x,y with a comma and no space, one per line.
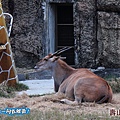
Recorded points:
87,77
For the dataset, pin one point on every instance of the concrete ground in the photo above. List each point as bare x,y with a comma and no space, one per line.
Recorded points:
38,87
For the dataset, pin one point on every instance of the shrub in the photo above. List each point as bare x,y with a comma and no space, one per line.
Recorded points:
9,91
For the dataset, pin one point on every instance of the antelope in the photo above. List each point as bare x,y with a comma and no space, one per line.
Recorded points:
77,85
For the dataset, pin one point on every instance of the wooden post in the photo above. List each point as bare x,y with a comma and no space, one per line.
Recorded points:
8,72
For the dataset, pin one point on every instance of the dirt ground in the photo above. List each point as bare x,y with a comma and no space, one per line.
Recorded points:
38,103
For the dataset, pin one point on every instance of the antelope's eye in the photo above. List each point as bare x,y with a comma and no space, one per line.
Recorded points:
40,60
45,59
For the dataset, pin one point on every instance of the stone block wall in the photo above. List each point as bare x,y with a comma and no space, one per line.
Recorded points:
108,33
108,36
85,32
27,30
96,31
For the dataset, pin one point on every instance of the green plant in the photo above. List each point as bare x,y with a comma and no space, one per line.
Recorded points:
114,82
9,91
110,77
27,76
115,85
20,87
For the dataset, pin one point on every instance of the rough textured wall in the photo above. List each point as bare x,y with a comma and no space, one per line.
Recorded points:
97,31
108,33
108,5
109,39
85,32
27,30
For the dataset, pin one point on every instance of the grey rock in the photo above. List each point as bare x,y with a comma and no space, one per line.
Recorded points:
27,30
109,5
108,37
96,31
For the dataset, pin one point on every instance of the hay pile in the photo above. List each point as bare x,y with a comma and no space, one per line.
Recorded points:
38,103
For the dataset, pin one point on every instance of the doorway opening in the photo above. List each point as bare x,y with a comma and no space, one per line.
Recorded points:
62,30
65,30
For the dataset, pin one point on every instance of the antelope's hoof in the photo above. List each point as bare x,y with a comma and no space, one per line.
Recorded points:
63,101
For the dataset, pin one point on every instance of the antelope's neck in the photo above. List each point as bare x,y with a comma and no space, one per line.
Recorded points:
61,71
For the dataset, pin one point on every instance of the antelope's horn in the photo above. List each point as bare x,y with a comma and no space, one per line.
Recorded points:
65,49
55,53
60,51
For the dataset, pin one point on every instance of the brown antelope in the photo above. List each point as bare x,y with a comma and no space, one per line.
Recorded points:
77,85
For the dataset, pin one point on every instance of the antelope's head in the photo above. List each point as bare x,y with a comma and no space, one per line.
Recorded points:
48,61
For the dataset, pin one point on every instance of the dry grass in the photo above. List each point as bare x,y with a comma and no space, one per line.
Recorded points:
44,109
60,115
48,110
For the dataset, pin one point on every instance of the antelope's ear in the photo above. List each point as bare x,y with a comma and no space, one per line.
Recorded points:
53,59
62,58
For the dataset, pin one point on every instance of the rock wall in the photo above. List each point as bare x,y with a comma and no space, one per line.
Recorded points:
27,30
85,32
96,31
108,33
108,36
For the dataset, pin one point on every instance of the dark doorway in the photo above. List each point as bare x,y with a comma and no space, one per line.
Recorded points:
65,30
